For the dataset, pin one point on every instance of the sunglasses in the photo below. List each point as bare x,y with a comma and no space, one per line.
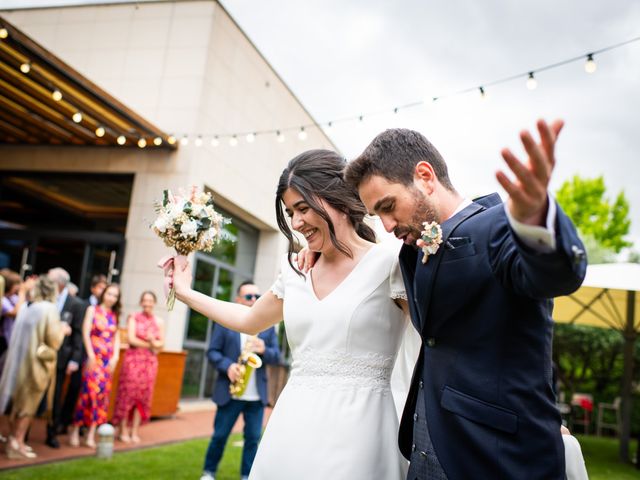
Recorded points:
251,296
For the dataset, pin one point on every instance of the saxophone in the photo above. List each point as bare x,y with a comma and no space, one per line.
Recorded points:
248,361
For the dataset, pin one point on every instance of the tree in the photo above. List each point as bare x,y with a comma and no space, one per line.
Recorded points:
584,201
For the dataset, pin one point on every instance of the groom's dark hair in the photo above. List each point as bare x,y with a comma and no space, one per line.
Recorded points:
393,155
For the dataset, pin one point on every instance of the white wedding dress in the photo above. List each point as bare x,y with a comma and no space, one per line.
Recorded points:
336,417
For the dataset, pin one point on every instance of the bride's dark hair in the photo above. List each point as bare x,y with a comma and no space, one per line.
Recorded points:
317,174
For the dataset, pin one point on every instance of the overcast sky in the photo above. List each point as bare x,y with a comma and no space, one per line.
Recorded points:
344,58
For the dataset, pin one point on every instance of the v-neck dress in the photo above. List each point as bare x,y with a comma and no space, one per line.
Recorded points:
336,416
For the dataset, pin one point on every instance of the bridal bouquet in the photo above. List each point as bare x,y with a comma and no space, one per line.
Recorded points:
187,223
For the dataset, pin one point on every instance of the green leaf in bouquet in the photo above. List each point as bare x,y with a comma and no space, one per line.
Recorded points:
188,208
165,197
204,224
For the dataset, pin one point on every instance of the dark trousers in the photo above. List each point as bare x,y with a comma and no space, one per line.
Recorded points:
63,408
226,417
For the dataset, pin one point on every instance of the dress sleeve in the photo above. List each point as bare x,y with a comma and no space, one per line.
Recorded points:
397,290
278,286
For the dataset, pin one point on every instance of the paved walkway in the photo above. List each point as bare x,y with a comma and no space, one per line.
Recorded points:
191,422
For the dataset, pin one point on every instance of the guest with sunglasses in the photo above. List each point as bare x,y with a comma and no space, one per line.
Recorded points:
225,347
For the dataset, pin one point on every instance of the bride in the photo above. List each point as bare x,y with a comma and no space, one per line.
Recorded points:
336,416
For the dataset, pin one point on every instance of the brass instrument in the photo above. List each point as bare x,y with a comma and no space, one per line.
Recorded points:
248,361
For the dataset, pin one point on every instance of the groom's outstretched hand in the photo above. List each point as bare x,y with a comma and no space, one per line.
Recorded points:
528,197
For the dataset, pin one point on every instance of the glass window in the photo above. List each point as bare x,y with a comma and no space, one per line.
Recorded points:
218,274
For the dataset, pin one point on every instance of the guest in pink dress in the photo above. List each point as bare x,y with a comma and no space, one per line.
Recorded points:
139,369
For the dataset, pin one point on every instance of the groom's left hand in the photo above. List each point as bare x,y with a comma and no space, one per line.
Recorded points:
528,197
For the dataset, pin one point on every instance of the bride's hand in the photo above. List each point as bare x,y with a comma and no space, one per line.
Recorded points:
181,274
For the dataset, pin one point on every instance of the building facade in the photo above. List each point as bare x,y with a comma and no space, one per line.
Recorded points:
188,68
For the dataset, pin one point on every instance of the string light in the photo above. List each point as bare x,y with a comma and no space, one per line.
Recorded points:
157,141
215,142
100,131
25,67
590,65
184,141
4,33
171,140
532,83
56,95
233,141
198,141
77,117
142,143
529,77
121,140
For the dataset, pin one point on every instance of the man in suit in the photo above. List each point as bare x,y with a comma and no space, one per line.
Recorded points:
72,312
225,347
481,403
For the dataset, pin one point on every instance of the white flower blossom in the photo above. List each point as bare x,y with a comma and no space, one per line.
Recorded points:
189,228
161,223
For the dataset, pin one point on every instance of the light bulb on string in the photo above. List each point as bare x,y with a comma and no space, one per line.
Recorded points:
280,136
483,93
121,140
56,95
25,67
100,131
77,117
590,65
142,143
198,141
157,141
233,141
302,135
171,140
532,83
329,127
251,137
215,142
4,33
184,141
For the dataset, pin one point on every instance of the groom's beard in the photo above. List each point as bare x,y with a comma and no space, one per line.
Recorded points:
423,211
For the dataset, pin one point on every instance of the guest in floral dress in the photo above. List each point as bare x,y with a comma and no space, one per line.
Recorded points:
102,344
139,369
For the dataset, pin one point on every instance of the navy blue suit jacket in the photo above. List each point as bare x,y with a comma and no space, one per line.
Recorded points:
225,348
482,304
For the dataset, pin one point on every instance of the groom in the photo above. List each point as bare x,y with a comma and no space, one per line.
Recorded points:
481,403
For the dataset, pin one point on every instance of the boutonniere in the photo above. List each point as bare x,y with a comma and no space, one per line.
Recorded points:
430,240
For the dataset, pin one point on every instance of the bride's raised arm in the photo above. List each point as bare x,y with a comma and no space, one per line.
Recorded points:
267,310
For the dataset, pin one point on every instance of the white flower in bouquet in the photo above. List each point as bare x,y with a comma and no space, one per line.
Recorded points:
189,228
162,223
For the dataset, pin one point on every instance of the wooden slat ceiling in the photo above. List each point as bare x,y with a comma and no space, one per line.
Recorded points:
40,94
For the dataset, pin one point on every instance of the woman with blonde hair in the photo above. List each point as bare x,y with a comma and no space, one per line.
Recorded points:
31,364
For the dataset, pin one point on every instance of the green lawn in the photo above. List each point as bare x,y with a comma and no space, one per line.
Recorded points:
184,461
601,457
175,462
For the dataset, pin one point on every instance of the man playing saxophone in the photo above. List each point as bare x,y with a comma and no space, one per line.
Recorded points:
241,386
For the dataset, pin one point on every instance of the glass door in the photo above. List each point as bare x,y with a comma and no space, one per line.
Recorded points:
82,254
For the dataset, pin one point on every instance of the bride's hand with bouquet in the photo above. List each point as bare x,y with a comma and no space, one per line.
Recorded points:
187,223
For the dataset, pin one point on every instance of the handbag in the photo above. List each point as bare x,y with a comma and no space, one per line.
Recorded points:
44,352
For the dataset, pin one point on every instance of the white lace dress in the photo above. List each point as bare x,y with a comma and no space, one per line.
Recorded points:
336,417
